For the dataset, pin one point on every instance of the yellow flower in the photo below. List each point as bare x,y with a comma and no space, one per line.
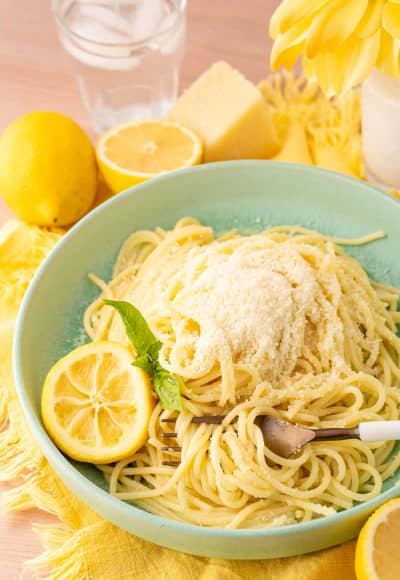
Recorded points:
340,41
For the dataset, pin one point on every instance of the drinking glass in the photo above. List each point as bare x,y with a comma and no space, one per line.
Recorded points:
126,55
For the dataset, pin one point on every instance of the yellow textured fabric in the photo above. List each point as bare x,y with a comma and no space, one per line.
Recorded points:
83,546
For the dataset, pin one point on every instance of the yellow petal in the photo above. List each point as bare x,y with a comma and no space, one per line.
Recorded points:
346,67
359,62
295,148
391,19
334,25
388,57
371,20
289,45
319,69
283,55
290,12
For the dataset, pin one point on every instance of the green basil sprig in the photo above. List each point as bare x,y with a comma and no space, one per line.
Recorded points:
166,384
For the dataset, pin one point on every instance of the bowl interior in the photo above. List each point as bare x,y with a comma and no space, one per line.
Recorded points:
248,195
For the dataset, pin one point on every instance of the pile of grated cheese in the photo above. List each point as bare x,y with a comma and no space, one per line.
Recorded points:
252,302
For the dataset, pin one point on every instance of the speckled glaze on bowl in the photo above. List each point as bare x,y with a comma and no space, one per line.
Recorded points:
249,195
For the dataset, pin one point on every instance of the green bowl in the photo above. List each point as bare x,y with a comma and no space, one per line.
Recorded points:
248,195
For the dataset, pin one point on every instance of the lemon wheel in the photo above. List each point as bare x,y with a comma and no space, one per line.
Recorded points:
95,405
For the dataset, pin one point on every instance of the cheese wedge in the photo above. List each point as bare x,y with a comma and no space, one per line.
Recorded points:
229,114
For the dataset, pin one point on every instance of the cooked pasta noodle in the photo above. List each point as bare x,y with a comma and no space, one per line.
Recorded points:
283,323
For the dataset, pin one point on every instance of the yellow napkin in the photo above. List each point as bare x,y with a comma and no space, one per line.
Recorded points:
83,546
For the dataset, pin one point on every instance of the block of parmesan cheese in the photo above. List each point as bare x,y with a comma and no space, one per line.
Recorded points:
230,115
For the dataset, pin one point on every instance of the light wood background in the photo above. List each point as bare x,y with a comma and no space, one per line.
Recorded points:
35,74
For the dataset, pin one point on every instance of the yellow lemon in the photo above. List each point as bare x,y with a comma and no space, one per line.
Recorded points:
137,151
48,173
95,405
377,552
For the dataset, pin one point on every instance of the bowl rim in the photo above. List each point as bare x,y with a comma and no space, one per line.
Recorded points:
80,484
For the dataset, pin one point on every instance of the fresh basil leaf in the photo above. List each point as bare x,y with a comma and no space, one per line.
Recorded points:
167,387
145,363
166,384
136,326
154,350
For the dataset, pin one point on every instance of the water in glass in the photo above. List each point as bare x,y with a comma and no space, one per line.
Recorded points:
127,55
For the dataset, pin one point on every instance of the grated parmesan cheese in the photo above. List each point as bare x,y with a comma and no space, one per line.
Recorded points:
251,302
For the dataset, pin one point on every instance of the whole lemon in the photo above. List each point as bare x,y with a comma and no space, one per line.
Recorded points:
48,173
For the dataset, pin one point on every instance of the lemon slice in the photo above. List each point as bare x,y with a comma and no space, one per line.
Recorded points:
95,405
137,151
377,552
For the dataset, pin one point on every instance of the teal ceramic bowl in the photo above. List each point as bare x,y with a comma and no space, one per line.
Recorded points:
249,195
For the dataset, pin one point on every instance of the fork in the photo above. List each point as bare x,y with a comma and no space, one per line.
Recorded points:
284,438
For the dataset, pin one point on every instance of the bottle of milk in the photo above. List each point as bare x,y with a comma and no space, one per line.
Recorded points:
380,102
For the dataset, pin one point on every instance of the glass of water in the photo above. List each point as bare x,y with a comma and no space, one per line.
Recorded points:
126,55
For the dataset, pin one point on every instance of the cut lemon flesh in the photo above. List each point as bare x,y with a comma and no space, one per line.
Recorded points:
137,151
377,552
95,405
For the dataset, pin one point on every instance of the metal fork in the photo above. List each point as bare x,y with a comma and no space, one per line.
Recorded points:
209,419
284,438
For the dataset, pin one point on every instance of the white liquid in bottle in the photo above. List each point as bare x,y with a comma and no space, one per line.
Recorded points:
381,129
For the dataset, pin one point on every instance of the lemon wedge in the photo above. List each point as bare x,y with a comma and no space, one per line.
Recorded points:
95,405
134,152
377,552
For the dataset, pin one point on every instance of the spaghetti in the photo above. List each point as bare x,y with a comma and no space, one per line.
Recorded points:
283,323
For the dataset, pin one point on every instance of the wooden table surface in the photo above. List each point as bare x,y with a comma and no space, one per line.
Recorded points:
35,73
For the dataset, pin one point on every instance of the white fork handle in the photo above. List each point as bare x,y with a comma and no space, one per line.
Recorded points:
379,430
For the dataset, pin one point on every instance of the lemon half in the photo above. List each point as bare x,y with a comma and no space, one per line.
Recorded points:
134,152
95,405
377,551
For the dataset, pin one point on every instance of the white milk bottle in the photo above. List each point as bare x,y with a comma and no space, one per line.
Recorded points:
381,129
